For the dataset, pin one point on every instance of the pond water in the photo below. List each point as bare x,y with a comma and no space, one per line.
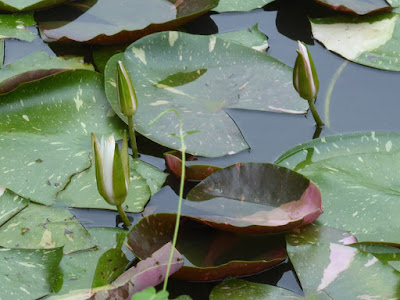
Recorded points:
362,99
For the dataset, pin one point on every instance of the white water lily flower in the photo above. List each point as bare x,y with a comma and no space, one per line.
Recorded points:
305,78
112,169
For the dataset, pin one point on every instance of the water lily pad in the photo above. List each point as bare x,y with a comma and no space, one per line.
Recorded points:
210,254
107,261
338,271
386,254
82,191
45,131
237,5
27,273
372,40
10,204
149,272
360,7
173,160
42,227
359,182
26,5
251,37
255,198
240,78
35,66
13,26
103,22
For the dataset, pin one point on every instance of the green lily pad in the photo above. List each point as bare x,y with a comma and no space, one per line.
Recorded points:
102,54
42,227
27,5
210,254
45,131
237,5
10,204
359,182
326,266
238,289
173,160
13,26
250,37
96,267
386,254
372,40
255,198
1,53
105,22
360,7
27,273
35,66
82,191
234,80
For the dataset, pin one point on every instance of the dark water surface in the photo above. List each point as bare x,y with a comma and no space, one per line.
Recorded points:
363,99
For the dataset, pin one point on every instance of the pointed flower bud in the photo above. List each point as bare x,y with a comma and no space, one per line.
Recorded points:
305,78
125,92
112,169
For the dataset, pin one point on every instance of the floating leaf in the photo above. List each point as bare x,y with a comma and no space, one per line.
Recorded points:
237,5
250,37
326,266
151,294
102,54
359,182
360,7
372,40
237,289
255,198
82,191
386,254
45,131
13,26
42,227
210,254
78,270
149,272
235,77
26,5
105,22
10,204
36,66
27,273
173,160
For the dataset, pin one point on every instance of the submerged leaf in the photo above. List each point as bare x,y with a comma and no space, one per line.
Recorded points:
255,198
359,181
210,254
240,78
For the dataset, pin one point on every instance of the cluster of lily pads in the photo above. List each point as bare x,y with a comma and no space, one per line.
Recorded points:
236,221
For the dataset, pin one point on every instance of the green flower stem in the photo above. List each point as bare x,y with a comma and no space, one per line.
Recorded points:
123,216
133,138
315,113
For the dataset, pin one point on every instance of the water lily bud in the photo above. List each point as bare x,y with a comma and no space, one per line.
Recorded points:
305,78
112,169
125,92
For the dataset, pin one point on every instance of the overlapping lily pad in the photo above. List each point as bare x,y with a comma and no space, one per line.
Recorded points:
251,37
82,191
35,66
255,198
231,76
119,21
237,5
45,131
372,40
360,7
359,182
41,227
26,273
210,254
327,268
10,204
13,26
26,5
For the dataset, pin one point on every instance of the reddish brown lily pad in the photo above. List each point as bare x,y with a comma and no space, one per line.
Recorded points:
173,160
255,198
209,254
359,7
